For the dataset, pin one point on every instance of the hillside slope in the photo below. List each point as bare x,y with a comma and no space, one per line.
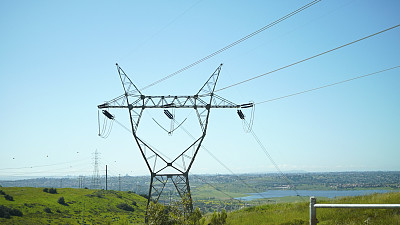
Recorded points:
298,213
93,206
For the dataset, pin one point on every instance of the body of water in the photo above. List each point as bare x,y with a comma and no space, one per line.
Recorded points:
316,193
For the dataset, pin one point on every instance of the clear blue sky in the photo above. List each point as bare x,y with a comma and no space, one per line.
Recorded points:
57,63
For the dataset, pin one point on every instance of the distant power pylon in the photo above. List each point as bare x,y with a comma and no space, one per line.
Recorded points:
163,169
96,175
80,181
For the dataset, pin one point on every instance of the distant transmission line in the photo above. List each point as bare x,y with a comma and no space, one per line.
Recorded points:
235,43
323,53
328,85
275,165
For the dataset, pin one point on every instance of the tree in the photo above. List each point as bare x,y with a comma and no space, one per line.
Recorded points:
156,214
6,212
195,217
219,218
8,197
61,201
178,212
53,190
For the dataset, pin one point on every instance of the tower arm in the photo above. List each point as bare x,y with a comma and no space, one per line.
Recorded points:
194,101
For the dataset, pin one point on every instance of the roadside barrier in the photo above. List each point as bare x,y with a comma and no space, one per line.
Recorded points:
314,206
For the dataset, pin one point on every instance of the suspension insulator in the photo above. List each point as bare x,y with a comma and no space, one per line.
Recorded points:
247,105
168,114
241,115
108,115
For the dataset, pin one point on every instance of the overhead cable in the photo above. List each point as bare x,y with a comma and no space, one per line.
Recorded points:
208,183
31,167
275,165
323,53
222,164
191,173
328,85
235,43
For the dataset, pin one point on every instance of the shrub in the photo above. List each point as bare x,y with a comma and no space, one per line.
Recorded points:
15,212
2,192
47,210
46,190
61,201
53,191
9,197
218,218
125,207
6,212
134,203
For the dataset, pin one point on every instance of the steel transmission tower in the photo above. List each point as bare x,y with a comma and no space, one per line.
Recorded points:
162,169
96,176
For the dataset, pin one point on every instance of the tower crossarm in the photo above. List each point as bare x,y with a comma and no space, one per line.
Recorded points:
170,101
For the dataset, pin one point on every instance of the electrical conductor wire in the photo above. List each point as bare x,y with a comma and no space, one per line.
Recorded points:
328,85
235,43
306,59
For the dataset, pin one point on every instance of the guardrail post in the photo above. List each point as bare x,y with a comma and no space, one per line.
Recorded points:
313,211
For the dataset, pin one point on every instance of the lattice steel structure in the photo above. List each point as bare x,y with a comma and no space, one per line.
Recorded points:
162,169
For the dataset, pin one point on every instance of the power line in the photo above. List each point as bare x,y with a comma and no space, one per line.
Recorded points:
219,161
275,165
328,85
235,43
231,197
205,181
323,53
31,167
212,155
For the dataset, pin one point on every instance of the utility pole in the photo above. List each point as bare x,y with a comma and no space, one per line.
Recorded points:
106,177
119,182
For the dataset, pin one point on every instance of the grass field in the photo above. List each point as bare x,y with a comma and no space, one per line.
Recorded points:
100,207
298,213
93,206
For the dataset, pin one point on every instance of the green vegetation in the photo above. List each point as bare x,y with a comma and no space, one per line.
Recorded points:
298,213
50,190
176,214
6,212
125,207
34,206
218,218
61,201
9,197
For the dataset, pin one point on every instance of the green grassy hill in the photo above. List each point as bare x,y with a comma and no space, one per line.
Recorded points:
101,207
96,206
298,213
